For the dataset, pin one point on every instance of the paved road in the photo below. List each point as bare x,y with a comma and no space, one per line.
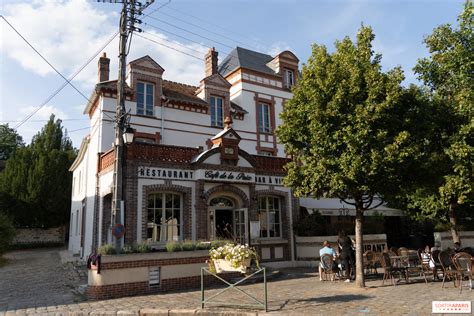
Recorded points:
34,283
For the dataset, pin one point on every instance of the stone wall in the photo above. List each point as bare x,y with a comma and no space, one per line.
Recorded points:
40,236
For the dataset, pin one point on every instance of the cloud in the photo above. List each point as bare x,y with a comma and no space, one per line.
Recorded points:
44,113
68,32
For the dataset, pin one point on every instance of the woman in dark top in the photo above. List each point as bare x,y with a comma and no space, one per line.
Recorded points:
347,254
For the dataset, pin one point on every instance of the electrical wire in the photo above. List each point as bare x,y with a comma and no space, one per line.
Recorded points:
190,32
37,52
173,48
66,83
176,43
214,25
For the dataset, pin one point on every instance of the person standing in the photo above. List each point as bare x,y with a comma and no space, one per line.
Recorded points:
347,254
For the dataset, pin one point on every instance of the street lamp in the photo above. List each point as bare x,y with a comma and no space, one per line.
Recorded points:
128,135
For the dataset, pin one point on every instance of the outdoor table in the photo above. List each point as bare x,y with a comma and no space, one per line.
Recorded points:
400,264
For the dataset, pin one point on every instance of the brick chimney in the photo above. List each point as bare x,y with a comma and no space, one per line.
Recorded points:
104,68
211,62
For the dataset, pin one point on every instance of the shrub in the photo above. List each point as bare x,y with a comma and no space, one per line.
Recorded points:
128,249
107,249
7,232
173,246
188,246
143,247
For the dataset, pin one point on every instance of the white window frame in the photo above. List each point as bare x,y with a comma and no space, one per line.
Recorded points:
264,124
163,215
267,219
145,108
289,78
216,121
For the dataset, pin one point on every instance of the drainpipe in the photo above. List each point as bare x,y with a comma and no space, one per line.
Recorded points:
162,112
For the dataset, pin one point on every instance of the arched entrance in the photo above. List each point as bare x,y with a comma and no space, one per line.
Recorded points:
227,220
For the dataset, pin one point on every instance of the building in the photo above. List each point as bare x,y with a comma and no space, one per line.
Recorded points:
205,162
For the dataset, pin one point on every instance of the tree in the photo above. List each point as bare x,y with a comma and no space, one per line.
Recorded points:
9,141
449,73
38,175
7,232
344,129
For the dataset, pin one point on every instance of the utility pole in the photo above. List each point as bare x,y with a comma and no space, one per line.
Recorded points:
128,19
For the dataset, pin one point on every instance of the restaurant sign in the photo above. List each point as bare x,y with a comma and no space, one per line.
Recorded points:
202,174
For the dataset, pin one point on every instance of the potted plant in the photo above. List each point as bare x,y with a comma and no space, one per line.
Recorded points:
232,258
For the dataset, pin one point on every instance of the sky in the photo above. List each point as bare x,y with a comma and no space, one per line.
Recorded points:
176,34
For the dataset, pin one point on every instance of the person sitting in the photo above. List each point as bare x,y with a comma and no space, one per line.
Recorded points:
457,247
437,246
327,249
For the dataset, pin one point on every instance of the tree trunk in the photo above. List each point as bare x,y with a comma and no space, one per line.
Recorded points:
359,247
453,221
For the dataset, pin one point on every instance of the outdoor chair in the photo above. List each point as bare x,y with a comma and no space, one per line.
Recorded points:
436,263
370,262
463,264
447,264
389,269
425,259
402,251
329,269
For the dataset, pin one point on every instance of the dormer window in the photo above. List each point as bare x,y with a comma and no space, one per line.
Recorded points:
145,98
289,78
217,112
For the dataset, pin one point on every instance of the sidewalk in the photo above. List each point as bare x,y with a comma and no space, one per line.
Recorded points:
296,292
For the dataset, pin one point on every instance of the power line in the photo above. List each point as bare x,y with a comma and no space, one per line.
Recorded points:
66,83
196,34
212,24
207,30
173,48
37,52
176,43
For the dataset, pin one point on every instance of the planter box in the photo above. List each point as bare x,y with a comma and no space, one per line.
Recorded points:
222,265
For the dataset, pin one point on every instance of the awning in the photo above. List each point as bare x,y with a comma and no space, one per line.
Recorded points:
336,207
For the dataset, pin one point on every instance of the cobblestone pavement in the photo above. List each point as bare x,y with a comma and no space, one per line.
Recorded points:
33,283
37,279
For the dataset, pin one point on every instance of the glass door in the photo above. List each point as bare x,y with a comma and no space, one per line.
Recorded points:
240,226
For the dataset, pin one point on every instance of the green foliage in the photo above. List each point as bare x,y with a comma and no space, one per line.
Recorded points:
107,249
37,178
202,245
188,245
9,141
342,126
7,232
128,249
449,73
142,247
173,246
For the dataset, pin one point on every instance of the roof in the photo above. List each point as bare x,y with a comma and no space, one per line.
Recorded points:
110,86
245,58
237,108
180,92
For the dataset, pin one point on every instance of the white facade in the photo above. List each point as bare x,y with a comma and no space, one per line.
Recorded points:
181,116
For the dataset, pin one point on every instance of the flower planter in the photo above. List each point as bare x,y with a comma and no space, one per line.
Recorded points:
222,265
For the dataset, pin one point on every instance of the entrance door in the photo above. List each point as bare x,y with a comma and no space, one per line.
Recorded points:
240,225
224,224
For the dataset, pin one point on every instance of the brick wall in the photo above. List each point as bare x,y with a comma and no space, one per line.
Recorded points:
142,288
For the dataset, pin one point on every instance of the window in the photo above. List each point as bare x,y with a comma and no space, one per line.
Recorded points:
289,78
264,118
145,92
164,217
217,112
269,214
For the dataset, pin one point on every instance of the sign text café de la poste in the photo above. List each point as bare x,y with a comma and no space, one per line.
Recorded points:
205,162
